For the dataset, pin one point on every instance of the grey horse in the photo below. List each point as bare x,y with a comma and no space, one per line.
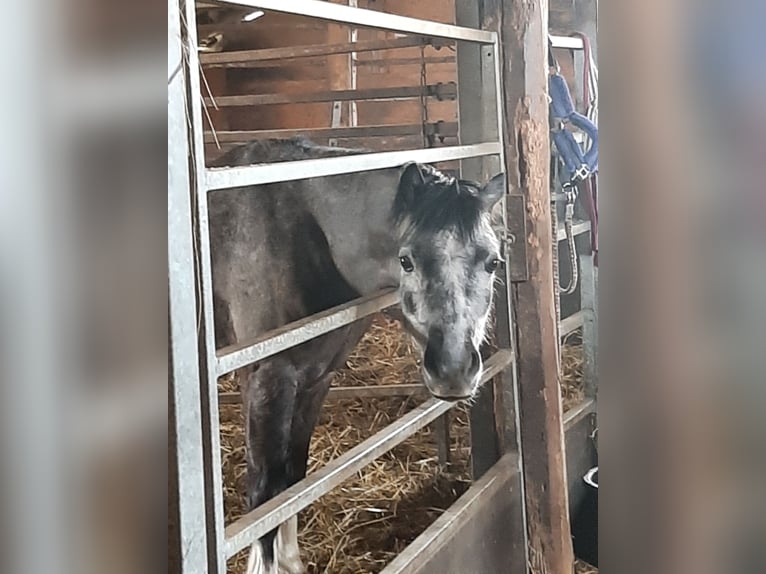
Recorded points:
283,251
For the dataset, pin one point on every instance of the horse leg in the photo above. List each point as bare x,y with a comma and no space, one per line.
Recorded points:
308,404
269,401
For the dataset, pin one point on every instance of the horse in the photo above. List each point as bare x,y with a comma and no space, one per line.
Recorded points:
283,251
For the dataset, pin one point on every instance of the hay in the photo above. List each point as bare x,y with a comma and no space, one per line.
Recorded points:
572,381
363,524
584,568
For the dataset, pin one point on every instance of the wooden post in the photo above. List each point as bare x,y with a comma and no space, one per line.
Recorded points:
524,28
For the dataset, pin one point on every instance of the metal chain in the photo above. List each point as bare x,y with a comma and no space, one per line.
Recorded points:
555,254
424,98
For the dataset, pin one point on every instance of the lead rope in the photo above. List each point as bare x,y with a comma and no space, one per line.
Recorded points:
571,196
555,253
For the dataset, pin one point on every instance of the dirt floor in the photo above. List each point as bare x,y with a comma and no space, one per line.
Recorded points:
360,526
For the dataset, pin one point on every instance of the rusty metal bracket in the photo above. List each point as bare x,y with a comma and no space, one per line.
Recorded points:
515,241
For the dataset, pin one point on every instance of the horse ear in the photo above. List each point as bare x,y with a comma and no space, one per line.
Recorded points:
412,177
493,191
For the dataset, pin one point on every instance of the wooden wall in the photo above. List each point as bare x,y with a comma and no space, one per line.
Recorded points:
379,69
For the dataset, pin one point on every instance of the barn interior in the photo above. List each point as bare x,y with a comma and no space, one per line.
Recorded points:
267,74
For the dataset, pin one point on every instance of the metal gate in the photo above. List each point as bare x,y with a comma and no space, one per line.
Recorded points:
491,514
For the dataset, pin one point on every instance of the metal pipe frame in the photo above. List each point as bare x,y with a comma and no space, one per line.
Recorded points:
185,401
370,19
340,393
275,511
234,357
224,541
208,375
222,178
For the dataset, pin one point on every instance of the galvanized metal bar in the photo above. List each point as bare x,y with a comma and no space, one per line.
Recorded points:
187,547
480,518
338,393
577,229
254,57
477,116
370,19
447,129
589,306
208,378
446,91
269,515
242,354
222,178
571,324
577,413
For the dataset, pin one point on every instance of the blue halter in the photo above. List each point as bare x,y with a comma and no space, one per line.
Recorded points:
578,164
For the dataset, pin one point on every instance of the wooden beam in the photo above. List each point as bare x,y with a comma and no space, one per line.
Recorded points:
524,28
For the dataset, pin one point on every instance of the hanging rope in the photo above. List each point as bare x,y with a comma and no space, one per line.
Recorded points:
424,98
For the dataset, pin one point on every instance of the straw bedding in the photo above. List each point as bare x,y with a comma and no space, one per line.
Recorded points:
360,526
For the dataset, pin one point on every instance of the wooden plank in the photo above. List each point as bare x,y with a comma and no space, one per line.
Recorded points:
571,324
581,454
472,535
524,37
245,57
441,91
446,129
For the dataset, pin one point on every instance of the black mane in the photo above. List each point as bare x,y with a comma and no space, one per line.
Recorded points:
440,203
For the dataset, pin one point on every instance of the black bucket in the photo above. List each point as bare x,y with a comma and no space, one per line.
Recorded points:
585,523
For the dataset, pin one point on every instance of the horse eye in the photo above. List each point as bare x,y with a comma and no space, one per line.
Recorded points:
406,263
493,265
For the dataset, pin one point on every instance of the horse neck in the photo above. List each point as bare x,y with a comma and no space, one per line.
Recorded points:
354,213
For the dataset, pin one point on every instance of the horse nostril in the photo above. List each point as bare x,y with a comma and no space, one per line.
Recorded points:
475,362
431,361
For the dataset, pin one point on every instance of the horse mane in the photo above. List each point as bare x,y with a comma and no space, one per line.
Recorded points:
439,203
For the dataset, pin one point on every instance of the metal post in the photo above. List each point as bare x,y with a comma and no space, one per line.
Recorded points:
476,113
187,550
524,32
211,438
589,306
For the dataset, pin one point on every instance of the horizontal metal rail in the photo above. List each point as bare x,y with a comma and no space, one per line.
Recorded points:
571,324
237,356
253,57
222,178
577,413
577,229
567,42
337,393
444,129
273,512
370,19
445,91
